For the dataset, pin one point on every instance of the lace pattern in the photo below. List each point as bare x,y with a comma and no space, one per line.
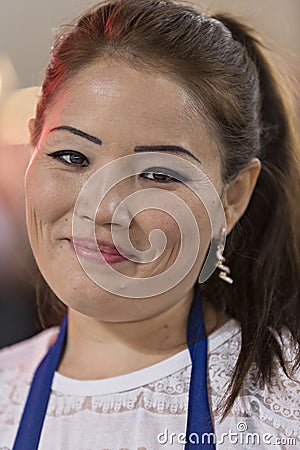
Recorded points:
277,406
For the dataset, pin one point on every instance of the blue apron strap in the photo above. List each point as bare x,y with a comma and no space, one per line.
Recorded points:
198,421
32,420
199,430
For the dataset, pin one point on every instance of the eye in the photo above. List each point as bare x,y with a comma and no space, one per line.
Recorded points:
160,176
70,157
156,176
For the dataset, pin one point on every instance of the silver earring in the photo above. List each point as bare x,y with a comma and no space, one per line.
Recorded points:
225,271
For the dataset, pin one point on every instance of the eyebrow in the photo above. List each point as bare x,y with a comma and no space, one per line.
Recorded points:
166,148
77,132
137,149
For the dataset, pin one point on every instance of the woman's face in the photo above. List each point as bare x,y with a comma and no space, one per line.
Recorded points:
107,112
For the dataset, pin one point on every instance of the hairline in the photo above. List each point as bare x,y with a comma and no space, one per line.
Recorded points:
147,64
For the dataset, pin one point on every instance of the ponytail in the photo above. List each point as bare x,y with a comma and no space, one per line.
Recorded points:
264,247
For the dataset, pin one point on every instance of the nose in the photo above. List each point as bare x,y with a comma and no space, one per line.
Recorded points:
113,209
102,202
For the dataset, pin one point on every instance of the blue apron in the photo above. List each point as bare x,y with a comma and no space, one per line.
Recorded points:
199,430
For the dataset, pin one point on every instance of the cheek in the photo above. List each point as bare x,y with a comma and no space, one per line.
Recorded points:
149,220
48,194
182,227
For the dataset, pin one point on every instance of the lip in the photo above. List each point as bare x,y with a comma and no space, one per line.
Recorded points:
97,251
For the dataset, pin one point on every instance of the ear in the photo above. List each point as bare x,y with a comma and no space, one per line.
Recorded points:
237,194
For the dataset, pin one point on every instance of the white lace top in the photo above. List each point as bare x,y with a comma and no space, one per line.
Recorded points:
147,409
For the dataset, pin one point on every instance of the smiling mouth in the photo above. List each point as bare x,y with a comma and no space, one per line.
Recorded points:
99,254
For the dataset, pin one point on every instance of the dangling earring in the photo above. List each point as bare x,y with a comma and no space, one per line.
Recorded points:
225,271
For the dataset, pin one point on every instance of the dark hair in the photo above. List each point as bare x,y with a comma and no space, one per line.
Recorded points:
225,67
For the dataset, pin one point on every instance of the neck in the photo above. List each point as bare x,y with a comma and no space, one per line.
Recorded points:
97,350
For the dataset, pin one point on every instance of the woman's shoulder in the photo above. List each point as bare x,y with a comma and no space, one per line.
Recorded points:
224,346
260,407
25,355
276,405
17,365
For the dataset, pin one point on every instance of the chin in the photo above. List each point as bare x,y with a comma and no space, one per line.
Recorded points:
96,303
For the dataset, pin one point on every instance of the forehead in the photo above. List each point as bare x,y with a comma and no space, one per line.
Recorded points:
116,87
118,103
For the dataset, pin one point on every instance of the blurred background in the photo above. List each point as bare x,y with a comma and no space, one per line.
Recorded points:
26,32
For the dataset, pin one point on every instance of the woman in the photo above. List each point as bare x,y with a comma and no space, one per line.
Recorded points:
155,99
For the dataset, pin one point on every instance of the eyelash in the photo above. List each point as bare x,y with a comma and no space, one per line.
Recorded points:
158,171
155,170
60,155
